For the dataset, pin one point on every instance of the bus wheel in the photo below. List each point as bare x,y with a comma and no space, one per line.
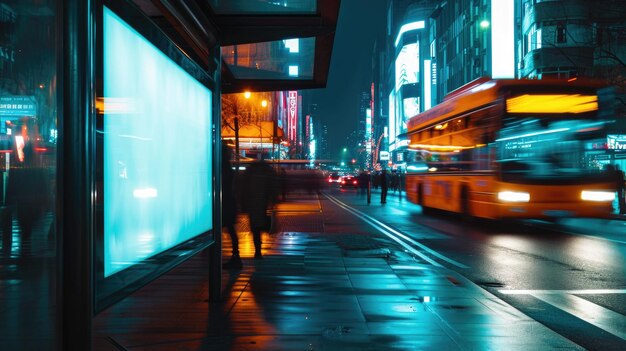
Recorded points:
466,212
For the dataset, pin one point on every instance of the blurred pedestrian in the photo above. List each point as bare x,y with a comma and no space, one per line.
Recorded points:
393,181
620,187
384,185
229,208
364,180
617,177
28,193
259,191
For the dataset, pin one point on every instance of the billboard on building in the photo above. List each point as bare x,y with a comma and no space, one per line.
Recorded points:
392,120
292,115
407,72
503,38
616,142
407,65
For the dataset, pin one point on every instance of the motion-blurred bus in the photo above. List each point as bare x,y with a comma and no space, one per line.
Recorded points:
513,149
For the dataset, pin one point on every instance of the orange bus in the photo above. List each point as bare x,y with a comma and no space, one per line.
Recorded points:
513,149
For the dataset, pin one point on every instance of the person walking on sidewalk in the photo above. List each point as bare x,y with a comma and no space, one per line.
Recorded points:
384,186
620,187
364,180
229,208
259,191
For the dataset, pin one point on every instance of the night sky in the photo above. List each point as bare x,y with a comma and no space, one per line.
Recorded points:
360,22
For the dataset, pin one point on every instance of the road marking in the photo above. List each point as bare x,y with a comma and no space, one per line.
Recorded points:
573,292
397,236
588,311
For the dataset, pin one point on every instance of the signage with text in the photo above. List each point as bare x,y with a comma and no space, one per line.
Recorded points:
18,106
616,141
292,110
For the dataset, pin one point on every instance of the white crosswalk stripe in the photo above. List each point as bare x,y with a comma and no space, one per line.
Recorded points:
566,300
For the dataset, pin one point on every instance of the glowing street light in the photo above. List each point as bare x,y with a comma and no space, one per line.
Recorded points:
247,94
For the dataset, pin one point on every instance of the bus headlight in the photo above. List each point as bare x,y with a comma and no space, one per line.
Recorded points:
597,195
513,196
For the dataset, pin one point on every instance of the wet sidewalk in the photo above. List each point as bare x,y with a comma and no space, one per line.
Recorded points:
318,289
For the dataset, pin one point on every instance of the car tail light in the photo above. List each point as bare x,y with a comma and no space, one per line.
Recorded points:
330,180
343,182
354,182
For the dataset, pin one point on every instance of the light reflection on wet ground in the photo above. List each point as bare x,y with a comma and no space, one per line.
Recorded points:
320,291
27,286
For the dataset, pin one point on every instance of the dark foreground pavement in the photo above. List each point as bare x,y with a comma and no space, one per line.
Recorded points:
320,287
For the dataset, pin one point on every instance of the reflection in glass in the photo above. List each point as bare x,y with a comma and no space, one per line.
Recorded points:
282,59
547,146
28,136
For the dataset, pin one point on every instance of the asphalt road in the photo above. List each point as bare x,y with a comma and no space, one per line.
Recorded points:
569,276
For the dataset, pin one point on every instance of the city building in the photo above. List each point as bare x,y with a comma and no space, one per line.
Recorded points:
435,47
574,38
473,39
366,129
406,54
325,144
8,17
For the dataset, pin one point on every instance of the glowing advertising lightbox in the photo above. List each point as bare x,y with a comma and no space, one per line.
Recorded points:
407,65
157,150
503,38
392,119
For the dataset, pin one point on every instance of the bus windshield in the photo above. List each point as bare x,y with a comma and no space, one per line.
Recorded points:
543,147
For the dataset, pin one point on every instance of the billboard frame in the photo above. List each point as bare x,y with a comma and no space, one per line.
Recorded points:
111,289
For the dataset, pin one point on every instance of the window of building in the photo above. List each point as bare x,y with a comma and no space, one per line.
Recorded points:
561,33
533,39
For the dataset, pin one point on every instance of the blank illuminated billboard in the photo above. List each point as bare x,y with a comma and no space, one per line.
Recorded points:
156,150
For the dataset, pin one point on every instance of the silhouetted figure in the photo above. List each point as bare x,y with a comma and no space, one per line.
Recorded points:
618,176
393,181
384,185
258,192
621,193
28,194
364,180
229,208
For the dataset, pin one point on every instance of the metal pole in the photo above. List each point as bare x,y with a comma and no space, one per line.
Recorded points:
74,219
237,142
215,250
